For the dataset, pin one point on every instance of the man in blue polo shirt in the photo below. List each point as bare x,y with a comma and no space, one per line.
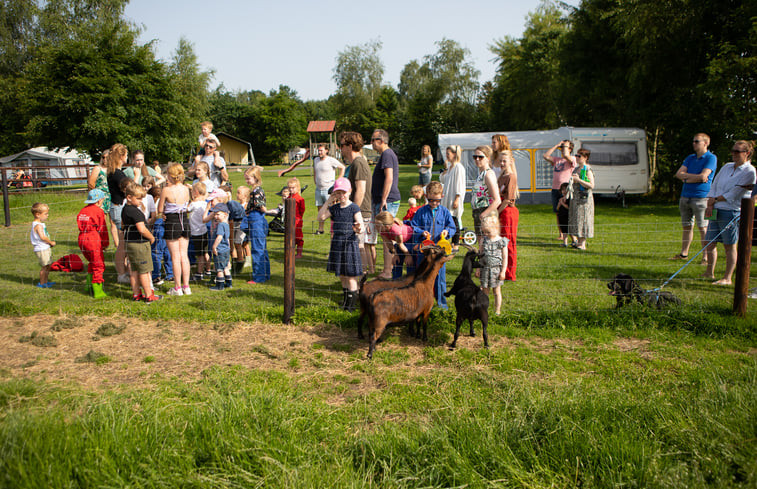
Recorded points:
696,173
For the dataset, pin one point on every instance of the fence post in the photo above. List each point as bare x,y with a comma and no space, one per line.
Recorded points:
289,248
744,258
6,203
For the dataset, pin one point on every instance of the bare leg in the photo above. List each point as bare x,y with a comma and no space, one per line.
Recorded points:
498,298
687,234
184,260
712,259
730,264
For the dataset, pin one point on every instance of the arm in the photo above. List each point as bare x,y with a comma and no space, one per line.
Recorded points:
92,178
162,200
102,230
323,212
357,219
491,185
145,232
42,236
548,155
429,163
295,164
359,196
586,183
206,217
388,180
217,241
503,268
341,168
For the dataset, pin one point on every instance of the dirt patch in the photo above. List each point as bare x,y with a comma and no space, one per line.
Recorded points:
634,344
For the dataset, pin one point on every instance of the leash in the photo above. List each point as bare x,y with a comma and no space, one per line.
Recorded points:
659,289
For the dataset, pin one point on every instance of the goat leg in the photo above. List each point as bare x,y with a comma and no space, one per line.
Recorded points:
472,332
458,322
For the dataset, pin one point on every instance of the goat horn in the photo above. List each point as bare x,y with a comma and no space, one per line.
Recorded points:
467,246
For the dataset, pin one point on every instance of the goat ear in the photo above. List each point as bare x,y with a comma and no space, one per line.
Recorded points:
467,246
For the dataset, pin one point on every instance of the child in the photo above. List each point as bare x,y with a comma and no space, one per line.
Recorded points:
220,247
417,194
257,227
293,184
206,132
160,256
236,217
198,231
563,208
344,257
93,239
277,223
241,239
395,232
138,240
494,249
42,243
216,198
433,221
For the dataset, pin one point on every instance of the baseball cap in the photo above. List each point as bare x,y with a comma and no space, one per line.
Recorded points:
94,195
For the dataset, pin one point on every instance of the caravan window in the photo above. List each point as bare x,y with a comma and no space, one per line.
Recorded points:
611,154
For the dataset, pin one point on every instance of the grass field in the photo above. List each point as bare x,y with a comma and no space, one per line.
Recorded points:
212,391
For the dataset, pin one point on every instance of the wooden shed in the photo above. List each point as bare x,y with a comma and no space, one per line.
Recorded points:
237,151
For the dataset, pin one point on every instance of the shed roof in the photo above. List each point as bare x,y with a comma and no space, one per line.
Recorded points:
227,135
321,126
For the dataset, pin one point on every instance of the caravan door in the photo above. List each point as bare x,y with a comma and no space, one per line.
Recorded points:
618,158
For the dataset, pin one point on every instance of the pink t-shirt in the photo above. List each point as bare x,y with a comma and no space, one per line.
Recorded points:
398,230
562,171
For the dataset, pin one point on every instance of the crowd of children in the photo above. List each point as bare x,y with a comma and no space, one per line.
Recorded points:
160,226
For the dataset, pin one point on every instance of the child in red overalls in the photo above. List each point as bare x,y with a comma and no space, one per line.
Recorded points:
93,239
293,184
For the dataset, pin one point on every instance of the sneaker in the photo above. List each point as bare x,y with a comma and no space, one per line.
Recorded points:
124,279
42,286
175,291
153,298
251,282
318,232
157,281
138,297
186,290
197,277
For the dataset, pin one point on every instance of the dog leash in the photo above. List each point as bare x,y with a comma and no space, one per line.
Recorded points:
659,289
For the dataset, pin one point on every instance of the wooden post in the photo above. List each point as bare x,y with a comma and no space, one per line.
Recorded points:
289,249
744,258
6,203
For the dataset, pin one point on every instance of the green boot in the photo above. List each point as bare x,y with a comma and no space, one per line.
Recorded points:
89,284
98,290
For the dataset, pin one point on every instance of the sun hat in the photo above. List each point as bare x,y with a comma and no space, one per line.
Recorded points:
94,195
342,184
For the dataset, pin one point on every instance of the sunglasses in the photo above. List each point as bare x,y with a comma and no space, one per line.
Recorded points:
376,139
739,151
434,200
478,157
697,141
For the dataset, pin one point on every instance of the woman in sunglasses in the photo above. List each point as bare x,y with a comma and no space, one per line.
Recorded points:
485,193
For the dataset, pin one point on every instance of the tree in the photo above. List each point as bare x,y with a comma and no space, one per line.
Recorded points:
358,74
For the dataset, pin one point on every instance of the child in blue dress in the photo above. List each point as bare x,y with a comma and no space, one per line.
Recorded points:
344,257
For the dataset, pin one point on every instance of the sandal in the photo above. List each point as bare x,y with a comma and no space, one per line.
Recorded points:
679,256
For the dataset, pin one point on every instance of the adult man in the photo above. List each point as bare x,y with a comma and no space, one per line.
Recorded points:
385,193
324,173
215,162
138,170
696,173
359,175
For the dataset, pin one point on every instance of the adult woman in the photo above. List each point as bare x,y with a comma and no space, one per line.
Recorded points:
174,200
500,143
98,179
508,213
561,173
425,165
453,179
139,169
485,192
733,182
114,163
581,217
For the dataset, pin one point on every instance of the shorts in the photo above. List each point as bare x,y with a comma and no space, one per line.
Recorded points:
321,196
369,236
115,214
200,244
221,260
692,209
45,257
177,226
140,256
240,237
556,196
391,207
722,222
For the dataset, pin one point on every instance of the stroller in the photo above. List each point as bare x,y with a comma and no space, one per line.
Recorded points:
277,223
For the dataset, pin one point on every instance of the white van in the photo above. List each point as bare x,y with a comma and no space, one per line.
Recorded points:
618,158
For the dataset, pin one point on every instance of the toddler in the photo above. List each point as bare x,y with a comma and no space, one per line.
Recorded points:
494,249
198,231
257,227
344,256
417,196
93,239
241,239
42,243
563,213
293,184
221,247
161,258
138,240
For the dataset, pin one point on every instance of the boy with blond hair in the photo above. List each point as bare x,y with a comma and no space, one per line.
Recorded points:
138,240
198,231
41,242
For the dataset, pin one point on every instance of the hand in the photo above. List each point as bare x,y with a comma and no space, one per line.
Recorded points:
215,251
443,234
52,243
395,260
501,276
708,211
282,172
478,272
426,235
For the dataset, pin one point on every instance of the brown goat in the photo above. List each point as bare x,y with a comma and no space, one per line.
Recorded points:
368,289
408,303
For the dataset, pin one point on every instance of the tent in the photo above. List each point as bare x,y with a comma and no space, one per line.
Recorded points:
59,167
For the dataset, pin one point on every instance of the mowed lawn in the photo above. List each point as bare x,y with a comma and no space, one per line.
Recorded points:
213,391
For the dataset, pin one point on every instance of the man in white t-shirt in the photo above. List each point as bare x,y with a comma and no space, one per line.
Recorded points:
324,172
215,162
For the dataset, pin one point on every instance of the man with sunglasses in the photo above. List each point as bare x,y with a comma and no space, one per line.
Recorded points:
215,162
696,173
385,193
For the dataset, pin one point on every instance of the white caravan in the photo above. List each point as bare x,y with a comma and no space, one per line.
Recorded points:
618,158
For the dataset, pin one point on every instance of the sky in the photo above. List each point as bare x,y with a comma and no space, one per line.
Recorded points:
259,45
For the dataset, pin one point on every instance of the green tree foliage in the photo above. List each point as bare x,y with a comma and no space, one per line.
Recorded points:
436,96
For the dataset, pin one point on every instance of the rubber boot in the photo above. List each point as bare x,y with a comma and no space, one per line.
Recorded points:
220,284
89,284
351,303
98,290
343,304
228,281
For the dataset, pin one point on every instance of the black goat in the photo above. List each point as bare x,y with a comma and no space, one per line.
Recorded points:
625,289
470,301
